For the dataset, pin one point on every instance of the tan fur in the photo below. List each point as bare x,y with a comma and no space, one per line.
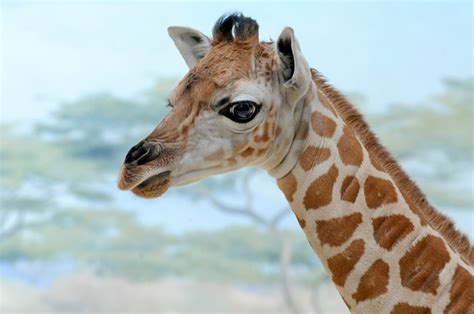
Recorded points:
456,239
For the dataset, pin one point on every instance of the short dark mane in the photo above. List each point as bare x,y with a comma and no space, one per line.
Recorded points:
458,241
234,26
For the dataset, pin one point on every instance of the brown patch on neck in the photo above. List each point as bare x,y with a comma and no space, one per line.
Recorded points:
350,189
337,231
349,148
342,264
421,266
319,193
379,192
322,125
461,293
405,308
351,116
389,230
373,283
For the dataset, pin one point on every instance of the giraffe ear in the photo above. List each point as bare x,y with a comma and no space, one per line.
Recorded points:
294,69
192,44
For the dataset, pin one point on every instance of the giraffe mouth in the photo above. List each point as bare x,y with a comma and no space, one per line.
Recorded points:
153,186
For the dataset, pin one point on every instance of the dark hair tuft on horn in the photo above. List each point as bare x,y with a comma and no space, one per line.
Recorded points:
235,24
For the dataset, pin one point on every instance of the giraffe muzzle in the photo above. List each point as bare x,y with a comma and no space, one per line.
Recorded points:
146,170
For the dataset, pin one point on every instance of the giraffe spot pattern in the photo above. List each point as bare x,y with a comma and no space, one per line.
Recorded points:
422,263
322,125
461,292
288,186
312,156
319,193
343,263
349,148
405,308
337,231
379,192
373,283
389,230
350,189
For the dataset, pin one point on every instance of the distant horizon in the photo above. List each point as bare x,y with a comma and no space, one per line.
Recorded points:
389,52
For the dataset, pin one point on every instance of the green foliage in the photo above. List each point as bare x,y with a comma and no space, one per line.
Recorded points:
114,243
24,157
80,147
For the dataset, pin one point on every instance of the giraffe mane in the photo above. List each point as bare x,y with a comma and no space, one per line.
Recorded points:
457,240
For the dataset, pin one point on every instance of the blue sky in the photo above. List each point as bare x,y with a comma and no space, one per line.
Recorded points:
389,51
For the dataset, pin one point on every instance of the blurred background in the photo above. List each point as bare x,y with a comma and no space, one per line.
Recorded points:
83,81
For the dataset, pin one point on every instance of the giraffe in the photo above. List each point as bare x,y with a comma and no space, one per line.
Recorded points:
250,103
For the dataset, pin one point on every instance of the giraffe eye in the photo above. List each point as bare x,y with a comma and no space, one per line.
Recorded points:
241,111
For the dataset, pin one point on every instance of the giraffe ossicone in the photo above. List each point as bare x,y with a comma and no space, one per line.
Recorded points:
251,103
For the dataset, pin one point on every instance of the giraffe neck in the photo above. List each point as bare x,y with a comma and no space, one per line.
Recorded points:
374,243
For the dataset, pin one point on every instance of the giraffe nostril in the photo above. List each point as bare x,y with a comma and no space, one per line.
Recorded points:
141,153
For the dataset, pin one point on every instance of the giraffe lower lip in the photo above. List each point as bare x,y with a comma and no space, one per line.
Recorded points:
154,179
154,186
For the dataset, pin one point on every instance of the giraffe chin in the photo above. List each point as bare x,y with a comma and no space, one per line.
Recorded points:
154,186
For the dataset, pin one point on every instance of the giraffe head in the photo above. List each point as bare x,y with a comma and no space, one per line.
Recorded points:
236,107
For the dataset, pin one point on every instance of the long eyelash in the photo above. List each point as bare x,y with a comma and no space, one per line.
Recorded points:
169,104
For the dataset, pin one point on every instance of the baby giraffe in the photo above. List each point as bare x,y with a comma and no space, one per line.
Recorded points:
251,103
